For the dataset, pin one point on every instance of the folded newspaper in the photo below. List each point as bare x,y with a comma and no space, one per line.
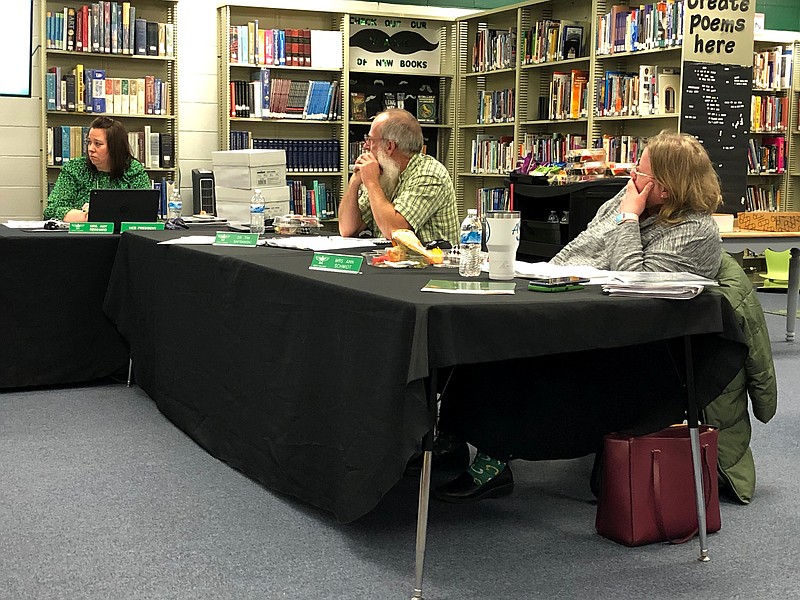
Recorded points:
676,286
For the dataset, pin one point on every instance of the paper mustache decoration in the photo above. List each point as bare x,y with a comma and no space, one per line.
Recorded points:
402,42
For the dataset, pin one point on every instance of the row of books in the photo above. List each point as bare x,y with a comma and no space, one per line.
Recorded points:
762,198
622,148
154,150
302,156
107,28
630,29
496,106
89,90
568,97
551,40
314,198
492,199
653,90
252,45
494,49
492,154
769,113
766,155
269,97
772,68
550,148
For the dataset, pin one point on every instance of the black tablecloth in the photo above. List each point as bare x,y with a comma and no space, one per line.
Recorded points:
53,326
312,382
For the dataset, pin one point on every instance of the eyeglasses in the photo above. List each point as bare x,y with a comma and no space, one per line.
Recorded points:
371,140
638,173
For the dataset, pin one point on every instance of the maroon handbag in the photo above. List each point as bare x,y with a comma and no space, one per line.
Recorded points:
647,488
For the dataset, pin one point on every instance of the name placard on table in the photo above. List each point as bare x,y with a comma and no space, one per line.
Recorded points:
248,240
93,228
338,263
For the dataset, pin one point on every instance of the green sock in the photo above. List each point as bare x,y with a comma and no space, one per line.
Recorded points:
485,468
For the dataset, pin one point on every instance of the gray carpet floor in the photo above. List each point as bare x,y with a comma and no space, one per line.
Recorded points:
102,498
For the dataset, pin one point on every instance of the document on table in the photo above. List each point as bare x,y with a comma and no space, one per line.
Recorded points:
675,286
546,270
198,240
24,224
320,243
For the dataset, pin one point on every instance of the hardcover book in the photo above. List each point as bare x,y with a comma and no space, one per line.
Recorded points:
426,109
358,106
573,42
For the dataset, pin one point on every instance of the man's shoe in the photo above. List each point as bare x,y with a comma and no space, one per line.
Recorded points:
447,455
463,489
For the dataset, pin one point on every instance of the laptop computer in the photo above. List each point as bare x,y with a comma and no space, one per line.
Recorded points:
116,206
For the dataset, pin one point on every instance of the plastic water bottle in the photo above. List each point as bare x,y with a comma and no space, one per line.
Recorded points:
257,207
470,262
175,204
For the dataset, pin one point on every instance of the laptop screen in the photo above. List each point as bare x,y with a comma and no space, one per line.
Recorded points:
116,206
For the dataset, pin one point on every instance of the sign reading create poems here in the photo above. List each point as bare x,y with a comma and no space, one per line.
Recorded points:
719,31
394,44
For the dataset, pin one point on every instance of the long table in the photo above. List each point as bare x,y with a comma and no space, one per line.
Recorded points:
53,326
758,241
313,383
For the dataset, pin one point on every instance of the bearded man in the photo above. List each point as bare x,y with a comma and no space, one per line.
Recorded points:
394,186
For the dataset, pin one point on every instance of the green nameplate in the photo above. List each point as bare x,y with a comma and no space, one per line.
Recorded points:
91,228
341,263
134,226
236,239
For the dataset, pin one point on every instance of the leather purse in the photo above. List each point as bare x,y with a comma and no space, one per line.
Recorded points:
647,487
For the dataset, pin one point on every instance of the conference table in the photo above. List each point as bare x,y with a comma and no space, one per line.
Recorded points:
321,385
740,240
52,320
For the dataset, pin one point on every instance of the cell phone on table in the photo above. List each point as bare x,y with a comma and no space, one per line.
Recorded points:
556,284
551,282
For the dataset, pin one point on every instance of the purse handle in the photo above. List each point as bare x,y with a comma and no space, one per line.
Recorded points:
657,494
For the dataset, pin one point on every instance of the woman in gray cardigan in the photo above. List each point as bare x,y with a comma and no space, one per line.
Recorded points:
660,221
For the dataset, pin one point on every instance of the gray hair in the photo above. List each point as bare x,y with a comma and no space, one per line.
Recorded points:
401,127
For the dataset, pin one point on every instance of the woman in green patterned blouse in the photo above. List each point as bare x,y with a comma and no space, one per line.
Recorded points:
108,165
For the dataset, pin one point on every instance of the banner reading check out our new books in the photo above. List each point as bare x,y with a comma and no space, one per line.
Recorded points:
394,44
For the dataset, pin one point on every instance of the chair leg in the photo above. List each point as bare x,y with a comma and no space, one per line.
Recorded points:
130,370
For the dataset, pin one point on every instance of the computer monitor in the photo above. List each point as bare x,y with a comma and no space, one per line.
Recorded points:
116,206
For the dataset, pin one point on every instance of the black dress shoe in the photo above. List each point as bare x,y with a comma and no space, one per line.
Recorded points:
463,489
447,455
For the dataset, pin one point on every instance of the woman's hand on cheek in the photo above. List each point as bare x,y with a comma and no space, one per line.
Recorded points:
635,201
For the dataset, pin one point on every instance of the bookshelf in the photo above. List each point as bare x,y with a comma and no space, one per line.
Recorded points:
365,85
293,55
144,65
770,127
793,150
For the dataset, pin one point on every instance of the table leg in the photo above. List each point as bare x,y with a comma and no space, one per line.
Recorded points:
425,488
791,293
694,439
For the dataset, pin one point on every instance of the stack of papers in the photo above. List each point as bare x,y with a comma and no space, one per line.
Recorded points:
322,243
546,270
676,286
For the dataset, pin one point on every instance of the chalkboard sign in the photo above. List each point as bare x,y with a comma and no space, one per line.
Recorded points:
715,108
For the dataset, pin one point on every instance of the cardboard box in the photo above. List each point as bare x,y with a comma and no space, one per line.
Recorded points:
248,169
247,178
234,204
248,158
770,221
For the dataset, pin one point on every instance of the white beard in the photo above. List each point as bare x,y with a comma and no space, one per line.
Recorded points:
390,174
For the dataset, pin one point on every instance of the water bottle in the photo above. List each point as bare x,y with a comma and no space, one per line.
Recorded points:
175,204
257,207
470,262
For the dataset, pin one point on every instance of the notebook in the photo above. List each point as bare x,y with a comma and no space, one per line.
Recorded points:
116,206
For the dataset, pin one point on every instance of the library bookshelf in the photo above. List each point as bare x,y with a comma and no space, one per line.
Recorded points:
110,58
361,88
620,123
